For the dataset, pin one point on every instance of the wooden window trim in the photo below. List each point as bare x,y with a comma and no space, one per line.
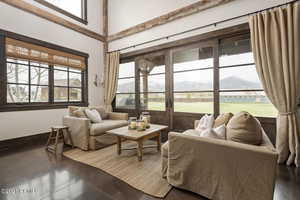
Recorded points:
7,107
83,18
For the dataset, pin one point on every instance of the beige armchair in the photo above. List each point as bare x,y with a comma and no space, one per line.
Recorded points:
220,169
92,136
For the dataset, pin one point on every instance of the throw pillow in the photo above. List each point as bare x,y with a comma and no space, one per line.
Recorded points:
80,113
217,133
244,128
192,132
93,115
223,119
72,109
101,110
205,122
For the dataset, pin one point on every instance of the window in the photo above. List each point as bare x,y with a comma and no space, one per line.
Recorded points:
240,87
36,77
193,80
27,81
152,83
125,97
214,76
67,84
76,9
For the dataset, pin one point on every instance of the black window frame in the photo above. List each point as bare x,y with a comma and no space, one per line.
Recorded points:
51,104
29,84
69,87
82,19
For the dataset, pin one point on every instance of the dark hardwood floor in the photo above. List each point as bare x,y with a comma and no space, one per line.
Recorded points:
32,173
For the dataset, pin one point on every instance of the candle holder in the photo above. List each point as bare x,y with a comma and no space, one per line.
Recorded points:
140,125
146,118
132,123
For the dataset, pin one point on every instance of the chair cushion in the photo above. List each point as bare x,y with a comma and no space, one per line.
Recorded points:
244,128
223,119
105,125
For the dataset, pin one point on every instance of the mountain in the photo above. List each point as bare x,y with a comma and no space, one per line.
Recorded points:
237,83
231,82
126,87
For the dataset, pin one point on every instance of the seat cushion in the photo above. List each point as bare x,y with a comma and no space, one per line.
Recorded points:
106,125
244,128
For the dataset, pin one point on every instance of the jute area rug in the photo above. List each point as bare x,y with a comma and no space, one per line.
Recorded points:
144,176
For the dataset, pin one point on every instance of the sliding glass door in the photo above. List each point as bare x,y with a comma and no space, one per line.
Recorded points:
192,89
179,85
152,86
193,80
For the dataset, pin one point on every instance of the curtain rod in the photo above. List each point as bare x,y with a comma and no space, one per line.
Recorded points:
201,27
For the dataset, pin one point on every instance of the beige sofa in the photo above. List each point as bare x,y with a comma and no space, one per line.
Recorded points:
220,169
92,136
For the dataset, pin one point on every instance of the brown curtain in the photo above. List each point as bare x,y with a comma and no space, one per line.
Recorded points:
275,37
111,78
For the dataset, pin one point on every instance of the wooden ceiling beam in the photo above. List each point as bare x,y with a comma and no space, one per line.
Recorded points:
166,18
21,4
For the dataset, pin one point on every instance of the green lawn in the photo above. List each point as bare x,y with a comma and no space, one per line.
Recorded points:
257,109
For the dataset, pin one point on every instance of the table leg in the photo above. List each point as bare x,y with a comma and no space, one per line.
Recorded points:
56,140
119,145
70,137
158,142
49,139
140,150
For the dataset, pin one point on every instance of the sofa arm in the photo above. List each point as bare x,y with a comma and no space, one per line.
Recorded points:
221,169
79,129
118,116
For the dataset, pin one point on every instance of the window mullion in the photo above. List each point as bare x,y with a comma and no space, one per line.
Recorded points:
51,84
216,79
3,78
29,81
68,84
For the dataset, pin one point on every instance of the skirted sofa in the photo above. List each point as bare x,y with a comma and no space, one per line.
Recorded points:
220,169
91,136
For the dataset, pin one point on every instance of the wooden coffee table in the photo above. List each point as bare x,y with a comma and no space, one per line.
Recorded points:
139,136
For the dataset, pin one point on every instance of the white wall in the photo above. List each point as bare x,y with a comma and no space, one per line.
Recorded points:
23,123
126,13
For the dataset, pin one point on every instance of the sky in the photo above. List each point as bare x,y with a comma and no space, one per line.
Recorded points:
74,7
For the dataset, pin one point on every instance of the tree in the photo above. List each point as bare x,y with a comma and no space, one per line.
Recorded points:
17,72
